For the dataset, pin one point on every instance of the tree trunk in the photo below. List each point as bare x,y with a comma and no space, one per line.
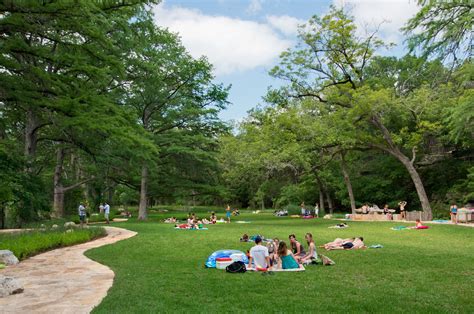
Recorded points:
409,164
415,177
59,189
2,216
321,201
30,133
329,199
347,181
58,202
142,212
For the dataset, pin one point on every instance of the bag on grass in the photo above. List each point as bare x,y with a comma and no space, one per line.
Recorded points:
327,261
236,267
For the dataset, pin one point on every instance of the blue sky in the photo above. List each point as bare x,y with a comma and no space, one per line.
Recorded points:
243,38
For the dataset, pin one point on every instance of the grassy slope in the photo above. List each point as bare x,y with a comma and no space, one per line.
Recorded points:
161,269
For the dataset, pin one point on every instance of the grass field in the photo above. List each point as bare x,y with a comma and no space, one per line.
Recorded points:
162,270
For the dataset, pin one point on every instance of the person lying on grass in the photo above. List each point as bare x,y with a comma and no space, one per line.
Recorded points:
286,258
311,255
419,225
259,255
346,244
171,220
296,247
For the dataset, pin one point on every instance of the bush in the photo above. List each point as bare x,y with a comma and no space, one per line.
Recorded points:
440,210
29,243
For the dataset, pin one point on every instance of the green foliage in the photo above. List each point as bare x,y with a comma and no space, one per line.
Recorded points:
29,243
442,29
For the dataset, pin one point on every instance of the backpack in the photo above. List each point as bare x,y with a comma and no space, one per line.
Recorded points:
326,260
236,267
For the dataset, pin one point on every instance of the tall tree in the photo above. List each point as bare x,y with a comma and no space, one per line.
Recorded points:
329,65
170,92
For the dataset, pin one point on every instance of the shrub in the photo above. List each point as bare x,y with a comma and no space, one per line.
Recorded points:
29,243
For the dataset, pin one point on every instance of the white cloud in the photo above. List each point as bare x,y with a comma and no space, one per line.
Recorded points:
231,44
288,25
393,13
254,6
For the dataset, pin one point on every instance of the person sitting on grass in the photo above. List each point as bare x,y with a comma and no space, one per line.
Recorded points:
274,255
259,255
213,218
296,247
311,255
286,258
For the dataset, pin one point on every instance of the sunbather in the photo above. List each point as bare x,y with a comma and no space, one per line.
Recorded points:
170,220
419,225
345,244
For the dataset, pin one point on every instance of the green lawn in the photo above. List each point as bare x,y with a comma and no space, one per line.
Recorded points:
162,269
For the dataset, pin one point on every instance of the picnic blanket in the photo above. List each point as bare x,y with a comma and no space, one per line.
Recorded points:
178,228
279,269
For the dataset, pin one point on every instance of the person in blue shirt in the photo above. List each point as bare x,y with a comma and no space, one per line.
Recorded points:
454,213
286,258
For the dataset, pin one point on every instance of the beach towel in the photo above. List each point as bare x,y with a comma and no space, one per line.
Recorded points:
376,246
398,228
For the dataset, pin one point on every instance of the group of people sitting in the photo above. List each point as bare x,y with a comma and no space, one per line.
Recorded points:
280,213
193,222
345,244
279,254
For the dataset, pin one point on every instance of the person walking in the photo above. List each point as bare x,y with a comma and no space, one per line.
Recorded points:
106,213
228,213
316,210
82,213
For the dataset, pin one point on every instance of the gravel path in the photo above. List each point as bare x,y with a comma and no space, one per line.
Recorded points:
62,280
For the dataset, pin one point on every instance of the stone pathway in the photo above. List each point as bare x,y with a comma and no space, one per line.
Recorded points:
62,280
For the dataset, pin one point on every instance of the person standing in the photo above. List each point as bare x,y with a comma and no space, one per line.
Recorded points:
259,255
228,213
316,210
402,205
101,208
106,213
82,213
303,209
454,213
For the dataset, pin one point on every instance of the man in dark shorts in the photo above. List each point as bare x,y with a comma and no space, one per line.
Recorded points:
82,213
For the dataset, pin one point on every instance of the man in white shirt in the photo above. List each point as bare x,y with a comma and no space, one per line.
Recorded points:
82,213
106,212
259,254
